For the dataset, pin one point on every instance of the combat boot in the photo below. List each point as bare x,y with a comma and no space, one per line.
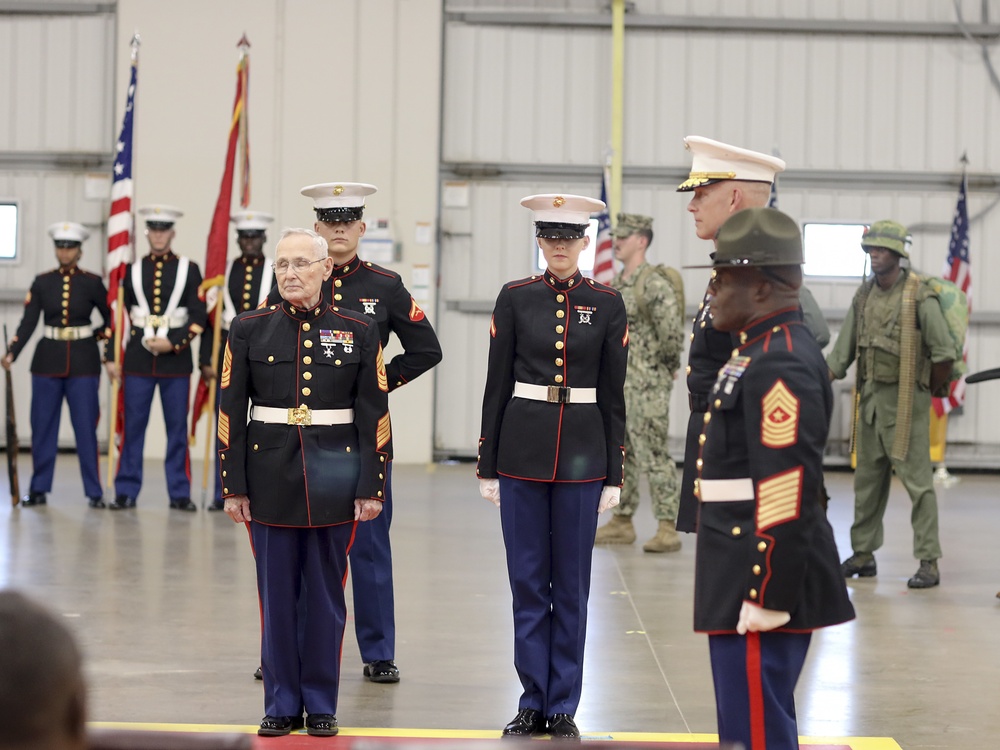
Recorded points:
619,530
926,576
665,540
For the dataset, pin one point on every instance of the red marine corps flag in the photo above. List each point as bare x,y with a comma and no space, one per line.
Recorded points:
218,242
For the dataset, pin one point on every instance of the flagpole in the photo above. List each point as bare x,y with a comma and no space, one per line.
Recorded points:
215,283
117,383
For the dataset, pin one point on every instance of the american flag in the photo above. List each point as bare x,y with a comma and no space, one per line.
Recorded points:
120,221
604,255
957,270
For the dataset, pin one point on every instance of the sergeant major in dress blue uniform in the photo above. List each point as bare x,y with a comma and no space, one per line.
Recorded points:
551,454
310,464
248,280
161,297
67,362
767,571
379,293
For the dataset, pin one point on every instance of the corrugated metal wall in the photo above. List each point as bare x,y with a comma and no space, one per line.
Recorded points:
872,121
55,129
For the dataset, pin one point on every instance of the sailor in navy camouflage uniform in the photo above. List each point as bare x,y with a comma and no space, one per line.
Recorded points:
66,364
249,278
380,294
767,571
309,465
165,313
551,454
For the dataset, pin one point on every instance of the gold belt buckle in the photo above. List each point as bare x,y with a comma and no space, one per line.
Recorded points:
557,395
156,321
66,334
300,415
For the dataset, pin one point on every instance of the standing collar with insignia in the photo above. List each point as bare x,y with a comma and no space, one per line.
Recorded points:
763,325
299,314
347,268
166,257
563,285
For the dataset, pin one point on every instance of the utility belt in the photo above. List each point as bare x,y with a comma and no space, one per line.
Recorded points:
69,333
555,394
177,319
698,402
301,416
725,490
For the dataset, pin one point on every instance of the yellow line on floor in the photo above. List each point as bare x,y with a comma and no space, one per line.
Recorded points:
855,743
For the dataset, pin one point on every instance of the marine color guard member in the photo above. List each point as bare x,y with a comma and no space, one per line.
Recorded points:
67,362
161,297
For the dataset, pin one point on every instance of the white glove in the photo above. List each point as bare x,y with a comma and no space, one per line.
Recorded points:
756,619
609,498
490,489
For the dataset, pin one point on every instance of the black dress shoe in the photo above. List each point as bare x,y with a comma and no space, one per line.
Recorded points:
34,498
216,505
279,726
528,722
384,670
321,725
257,674
861,565
562,727
96,502
183,503
121,502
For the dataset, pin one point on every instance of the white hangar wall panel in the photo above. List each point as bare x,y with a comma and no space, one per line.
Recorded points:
872,126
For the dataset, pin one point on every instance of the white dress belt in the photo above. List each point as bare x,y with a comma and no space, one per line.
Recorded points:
302,416
555,394
725,490
177,319
68,333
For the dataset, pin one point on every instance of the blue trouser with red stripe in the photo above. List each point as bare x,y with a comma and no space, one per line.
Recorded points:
47,394
371,582
174,394
755,676
548,532
301,573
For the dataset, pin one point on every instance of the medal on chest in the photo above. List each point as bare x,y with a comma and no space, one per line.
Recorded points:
731,372
329,340
369,305
585,312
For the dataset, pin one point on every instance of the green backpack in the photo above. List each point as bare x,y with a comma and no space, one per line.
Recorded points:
955,306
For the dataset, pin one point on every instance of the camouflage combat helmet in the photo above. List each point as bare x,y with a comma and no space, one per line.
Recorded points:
888,234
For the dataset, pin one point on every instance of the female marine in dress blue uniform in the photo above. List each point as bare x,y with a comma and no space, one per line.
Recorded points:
553,432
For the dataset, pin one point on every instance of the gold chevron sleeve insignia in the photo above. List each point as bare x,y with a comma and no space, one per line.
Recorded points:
779,419
779,498
227,367
493,326
625,338
224,428
383,381
383,432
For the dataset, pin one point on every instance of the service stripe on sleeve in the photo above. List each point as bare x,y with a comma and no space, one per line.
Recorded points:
224,428
779,498
383,432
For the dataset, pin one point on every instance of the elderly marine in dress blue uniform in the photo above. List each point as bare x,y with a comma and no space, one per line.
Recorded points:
165,314
66,364
380,294
307,467
766,570
248,280
551,454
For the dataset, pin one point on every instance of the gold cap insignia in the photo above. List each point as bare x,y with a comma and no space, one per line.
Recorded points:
558,201
338,190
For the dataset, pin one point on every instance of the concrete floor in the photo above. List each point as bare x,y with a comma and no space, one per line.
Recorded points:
165,606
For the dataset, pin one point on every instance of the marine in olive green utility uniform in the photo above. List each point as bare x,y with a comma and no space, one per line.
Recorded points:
897,333
654,303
